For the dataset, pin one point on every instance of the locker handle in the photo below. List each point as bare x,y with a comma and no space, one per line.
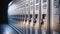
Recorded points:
30,20
43,16
34,21
42,22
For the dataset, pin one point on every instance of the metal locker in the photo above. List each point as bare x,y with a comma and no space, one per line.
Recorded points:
44,16
55,16
37,17
32,31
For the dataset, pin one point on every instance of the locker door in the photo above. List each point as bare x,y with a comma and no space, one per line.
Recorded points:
44,16
55,16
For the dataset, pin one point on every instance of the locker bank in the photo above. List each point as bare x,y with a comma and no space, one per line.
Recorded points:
35,16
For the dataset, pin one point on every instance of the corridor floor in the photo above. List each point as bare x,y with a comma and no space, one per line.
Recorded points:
6,29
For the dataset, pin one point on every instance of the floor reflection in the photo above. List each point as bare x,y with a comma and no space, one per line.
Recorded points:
6,29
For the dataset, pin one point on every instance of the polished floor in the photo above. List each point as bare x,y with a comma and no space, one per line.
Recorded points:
6,29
